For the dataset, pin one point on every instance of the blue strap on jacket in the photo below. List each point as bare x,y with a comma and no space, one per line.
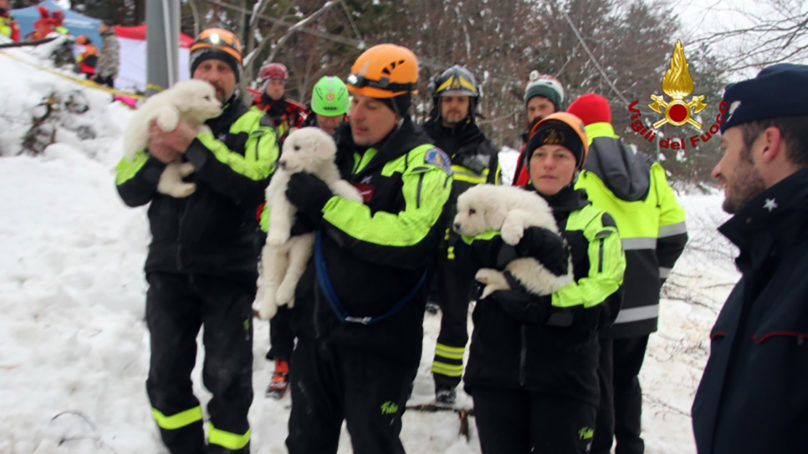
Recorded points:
334,302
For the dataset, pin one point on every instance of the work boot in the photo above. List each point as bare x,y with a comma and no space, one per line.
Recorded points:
280,380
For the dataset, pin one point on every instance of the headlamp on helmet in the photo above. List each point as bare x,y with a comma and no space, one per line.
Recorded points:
384,71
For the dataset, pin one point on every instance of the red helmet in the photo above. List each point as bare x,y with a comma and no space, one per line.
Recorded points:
274,71
58,15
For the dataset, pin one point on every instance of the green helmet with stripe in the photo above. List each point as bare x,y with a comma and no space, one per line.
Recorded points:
329,97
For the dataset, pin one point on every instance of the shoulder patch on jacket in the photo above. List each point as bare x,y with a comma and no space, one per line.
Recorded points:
437,157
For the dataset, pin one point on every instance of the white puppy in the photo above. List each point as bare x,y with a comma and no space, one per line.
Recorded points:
510,210
283,258
191,101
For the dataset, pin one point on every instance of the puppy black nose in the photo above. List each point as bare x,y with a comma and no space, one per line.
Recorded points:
282,164
456,227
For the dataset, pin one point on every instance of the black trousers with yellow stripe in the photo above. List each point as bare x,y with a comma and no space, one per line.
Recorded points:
455,280
177,305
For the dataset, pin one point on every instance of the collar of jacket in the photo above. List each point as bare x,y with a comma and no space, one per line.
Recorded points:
403,138
565,201
776,218
454,139
625,173
599,129
232,109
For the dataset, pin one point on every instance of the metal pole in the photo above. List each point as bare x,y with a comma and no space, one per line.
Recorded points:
162,44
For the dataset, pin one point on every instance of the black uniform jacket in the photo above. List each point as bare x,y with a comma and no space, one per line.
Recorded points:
753,396
526,343
214,230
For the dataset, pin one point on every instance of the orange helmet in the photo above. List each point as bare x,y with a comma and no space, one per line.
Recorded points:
384,71
216,43
218,38
83,39
560,128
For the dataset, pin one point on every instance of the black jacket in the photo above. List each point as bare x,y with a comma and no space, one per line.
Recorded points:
474,158
528,342
214,230
753,396
377,252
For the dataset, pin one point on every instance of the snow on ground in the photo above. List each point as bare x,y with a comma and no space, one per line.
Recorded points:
73,344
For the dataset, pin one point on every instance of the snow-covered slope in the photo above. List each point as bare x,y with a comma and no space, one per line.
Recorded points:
73,345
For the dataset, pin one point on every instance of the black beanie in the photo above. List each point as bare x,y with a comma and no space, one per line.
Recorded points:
207,53
555,132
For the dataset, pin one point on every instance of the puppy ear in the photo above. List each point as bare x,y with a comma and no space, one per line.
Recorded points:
322,144
495,216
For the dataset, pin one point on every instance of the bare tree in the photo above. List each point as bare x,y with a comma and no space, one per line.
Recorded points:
777,32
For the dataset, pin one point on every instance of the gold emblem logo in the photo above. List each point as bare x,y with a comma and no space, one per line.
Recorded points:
553,136
677,84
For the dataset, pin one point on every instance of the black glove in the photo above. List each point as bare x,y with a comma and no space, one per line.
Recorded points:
302,225
519,304
308,193
547,247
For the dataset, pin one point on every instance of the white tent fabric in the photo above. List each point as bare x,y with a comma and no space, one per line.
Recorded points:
132,72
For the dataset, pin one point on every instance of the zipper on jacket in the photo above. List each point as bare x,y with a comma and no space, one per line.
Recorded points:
418,193
522,354
180,246
600,256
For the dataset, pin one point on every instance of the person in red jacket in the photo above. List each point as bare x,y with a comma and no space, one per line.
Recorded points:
543,96
285,114
87,60
8,25
42,26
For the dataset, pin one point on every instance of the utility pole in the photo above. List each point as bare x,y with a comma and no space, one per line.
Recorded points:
162,44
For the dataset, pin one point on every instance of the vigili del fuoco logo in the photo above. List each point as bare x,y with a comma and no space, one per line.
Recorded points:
678,85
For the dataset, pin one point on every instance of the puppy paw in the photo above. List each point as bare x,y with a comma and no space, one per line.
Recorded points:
186,168
285,294
267,309
494,280
178,190
512,233
490,276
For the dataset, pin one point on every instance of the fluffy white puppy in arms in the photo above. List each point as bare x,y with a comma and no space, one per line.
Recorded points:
191,101
510,210
284,257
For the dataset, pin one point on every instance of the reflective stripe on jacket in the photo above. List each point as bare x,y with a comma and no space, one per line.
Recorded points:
376,252
213,231
650,220
548,344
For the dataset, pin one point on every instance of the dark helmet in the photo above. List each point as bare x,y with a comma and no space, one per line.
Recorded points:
455,81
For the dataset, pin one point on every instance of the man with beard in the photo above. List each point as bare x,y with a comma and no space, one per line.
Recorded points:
202,260
366,299
543,96
474,161
753,395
